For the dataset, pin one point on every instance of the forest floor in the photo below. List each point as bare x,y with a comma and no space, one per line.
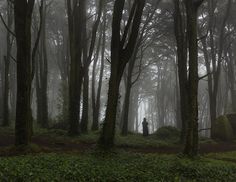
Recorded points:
54,156
58,141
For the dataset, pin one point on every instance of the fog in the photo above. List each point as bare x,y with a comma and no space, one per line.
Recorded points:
157,63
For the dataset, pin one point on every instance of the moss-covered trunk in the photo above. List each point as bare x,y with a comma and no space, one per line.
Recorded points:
191,145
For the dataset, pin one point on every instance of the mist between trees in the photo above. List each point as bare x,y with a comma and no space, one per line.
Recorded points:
83,65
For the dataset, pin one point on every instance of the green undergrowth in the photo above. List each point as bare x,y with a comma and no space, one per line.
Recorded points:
6,130
164,137
131,140
204,140
228,156
167,133
137,140
115,166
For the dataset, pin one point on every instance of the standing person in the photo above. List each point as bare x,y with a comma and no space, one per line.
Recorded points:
145,127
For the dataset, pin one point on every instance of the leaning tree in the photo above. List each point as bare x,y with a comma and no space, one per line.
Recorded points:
121,51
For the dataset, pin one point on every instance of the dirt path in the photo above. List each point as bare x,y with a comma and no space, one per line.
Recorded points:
218,148
48,144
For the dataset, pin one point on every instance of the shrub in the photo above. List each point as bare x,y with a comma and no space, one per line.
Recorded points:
62,125
232,119
167,132
222,129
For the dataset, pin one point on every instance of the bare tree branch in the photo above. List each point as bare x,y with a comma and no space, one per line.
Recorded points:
204,76
5,25
37,39
204,129
14,59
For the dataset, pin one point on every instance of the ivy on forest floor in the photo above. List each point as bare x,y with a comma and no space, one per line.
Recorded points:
115,166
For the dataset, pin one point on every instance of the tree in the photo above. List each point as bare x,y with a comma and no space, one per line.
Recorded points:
23,18
129,81
231,76
191,145
7,60
187,46
213,61
58,38
96,95
121,52
42,75
87,59
75,19
181,41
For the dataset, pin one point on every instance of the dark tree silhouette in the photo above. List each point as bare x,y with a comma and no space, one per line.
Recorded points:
121,52
7,60
75,19
191,145
23,19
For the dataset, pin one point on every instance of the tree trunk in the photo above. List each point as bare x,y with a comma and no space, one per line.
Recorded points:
120,55
125,116
216,56
85,110
7,59
231,77
23,17
108,132
42,77
97,99
93,93
126,107
131,123
191,145
182,66
38,94
177,99
84,119
6,121
75,18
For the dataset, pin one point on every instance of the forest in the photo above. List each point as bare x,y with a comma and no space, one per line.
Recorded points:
118,90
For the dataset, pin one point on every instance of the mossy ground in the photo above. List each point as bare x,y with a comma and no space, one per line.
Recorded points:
58,140
147,161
